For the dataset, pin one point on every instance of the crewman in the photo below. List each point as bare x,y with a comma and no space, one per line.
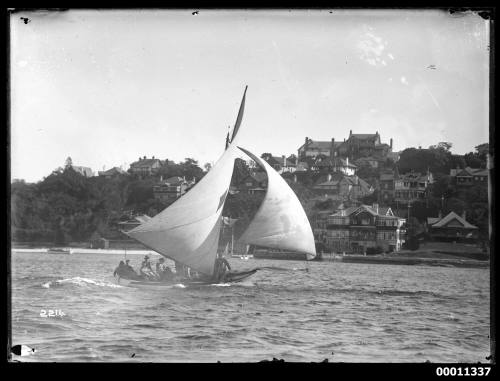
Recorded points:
221,267
120,270
146,269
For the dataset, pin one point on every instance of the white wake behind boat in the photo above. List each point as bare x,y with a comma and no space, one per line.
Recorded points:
188,230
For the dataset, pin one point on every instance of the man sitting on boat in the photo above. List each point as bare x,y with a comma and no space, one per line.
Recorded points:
129,268
163,272
120,270
167,274
124,270
221,267
146,270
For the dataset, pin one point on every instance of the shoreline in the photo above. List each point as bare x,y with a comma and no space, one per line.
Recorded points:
76,250
427,258
411,261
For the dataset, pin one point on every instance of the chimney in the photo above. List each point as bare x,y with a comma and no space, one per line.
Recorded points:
284,161
329,177
347,161
375,207
144,158
294,178
140,158
332,148
350,133
391,143
153,156
161,178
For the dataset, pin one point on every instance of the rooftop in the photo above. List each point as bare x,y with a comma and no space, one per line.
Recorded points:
450,217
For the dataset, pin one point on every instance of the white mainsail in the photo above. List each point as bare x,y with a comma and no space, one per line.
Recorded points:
281,221
188,230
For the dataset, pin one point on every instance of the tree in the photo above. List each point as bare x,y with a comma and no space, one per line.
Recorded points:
437,159
477,159
207,167
266,156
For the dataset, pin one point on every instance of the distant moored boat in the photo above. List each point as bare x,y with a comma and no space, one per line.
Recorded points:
57,250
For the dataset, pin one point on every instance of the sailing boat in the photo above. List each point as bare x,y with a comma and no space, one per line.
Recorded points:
188,230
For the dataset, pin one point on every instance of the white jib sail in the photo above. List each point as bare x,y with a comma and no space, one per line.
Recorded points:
188,230
281,221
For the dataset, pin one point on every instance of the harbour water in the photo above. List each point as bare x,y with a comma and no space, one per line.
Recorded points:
290,310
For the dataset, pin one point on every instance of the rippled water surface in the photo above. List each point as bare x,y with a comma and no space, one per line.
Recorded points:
292,310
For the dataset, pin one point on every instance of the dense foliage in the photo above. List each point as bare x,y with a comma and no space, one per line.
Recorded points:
66,206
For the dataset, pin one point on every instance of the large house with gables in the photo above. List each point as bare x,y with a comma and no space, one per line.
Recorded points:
357,228
356,146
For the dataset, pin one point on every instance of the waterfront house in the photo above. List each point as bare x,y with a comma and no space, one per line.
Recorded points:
172,188
145,166
450,228
357,228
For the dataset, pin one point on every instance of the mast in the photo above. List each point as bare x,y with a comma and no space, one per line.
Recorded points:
232,239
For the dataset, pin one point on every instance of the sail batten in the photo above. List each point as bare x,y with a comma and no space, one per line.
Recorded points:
280,221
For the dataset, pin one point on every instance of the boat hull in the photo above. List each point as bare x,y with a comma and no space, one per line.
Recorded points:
231,277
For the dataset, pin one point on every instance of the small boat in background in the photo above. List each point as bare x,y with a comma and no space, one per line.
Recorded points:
59,250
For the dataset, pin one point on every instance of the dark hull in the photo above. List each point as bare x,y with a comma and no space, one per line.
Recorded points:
231,277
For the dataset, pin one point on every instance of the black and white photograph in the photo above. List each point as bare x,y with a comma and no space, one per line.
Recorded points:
251,185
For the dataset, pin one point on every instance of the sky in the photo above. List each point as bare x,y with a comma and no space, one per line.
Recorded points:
107,87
